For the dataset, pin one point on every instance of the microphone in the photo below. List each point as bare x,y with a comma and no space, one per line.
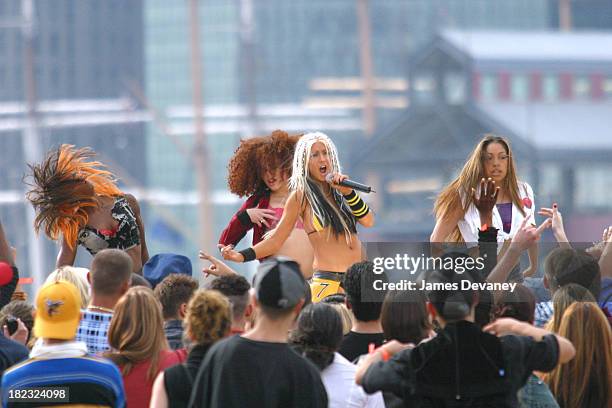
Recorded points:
351,184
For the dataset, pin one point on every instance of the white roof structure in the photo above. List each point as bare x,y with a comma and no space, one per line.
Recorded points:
577,126
584,47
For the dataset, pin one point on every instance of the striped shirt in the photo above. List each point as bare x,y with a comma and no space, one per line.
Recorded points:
89,380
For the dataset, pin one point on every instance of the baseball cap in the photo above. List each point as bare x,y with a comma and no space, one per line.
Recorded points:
162,265
279,283
58,311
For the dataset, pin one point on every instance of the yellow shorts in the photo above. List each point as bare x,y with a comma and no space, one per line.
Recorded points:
324,284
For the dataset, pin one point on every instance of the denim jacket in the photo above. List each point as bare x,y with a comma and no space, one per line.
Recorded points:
536,394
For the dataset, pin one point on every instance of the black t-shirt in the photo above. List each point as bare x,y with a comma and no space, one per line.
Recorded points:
488,372
178,379
241,373
11,353
355,344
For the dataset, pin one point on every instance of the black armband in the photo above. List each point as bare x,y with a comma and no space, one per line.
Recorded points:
488,235
248,254
358,207
243,217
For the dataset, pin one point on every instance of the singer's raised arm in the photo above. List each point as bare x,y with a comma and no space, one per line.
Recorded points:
359,208
367,220
273,243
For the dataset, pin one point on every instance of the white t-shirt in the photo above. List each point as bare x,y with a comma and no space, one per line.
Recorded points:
342,391
470,224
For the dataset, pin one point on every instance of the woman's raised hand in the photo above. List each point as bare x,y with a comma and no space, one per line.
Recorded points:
556,222
335,181
260,216
216,267
598,247
486,201
230,254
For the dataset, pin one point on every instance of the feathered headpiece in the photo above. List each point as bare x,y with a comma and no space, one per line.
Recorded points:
58,194
339,215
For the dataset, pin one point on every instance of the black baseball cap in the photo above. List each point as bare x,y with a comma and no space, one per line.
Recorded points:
279,283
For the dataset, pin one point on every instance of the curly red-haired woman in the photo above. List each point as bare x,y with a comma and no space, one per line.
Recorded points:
260,169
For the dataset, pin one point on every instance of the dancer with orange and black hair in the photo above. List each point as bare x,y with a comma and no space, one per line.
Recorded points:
77,199
260,169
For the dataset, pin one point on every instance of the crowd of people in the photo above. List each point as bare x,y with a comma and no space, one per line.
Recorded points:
312,329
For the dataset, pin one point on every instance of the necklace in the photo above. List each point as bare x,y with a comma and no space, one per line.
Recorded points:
100,309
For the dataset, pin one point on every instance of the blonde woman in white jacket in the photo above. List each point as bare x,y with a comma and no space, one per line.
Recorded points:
458,220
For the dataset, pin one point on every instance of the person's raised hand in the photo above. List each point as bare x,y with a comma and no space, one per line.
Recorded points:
261,216
486,200
336,179
598,247
230,254
556,222
596,250
216,267
528,234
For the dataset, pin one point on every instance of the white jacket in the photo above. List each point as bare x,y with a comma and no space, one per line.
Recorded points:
470,224
342,391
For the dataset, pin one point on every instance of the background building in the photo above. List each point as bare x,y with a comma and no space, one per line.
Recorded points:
117,76
550,93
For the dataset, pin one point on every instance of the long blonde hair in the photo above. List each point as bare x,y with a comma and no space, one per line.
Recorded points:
136,332
473,171
563,298
586,380
331,212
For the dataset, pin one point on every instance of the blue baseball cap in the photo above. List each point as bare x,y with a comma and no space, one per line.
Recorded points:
162,265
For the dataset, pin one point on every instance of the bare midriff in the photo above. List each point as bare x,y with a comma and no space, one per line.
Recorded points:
332,253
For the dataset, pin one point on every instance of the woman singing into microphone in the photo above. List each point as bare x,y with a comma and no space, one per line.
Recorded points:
457,219
329,212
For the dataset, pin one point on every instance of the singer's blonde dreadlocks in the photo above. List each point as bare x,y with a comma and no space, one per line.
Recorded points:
335,214
59,191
